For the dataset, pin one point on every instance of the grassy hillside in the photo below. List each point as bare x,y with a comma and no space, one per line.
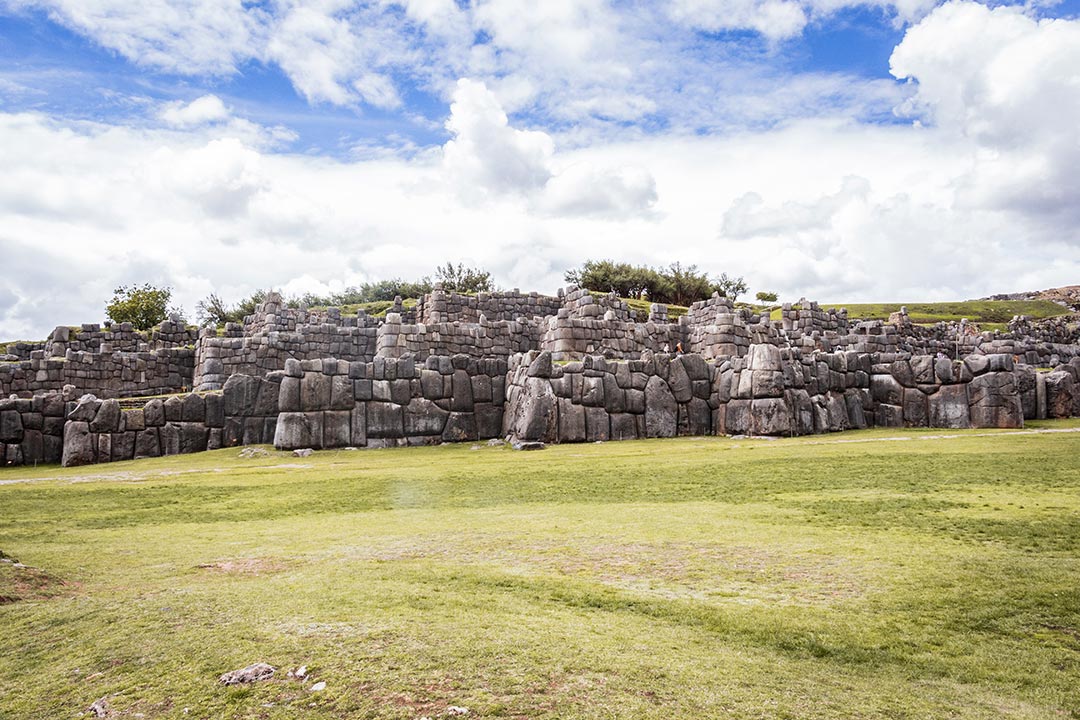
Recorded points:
831,577
978,311
377,309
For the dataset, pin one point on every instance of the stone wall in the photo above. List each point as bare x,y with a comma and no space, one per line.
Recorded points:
390,402
770,391
105,374
101,431
32,429
499,338
331,403
448,307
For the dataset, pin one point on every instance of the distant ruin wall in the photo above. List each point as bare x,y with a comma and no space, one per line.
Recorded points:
447,307
106,374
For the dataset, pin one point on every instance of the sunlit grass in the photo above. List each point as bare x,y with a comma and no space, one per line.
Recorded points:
879,574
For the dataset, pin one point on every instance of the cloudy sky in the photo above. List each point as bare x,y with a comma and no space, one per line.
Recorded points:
833,149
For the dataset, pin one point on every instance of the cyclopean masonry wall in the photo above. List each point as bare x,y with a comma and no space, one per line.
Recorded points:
814,371
390,402
114,362
107,374
769,392
32,429
101,431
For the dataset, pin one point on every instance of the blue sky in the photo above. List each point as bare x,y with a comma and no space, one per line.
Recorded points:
837,149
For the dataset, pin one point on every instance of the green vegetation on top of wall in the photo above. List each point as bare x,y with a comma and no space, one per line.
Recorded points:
375,309
642,306
988,314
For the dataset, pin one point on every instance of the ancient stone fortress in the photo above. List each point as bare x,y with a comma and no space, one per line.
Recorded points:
575,367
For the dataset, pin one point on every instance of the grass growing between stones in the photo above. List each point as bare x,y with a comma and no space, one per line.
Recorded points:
879,574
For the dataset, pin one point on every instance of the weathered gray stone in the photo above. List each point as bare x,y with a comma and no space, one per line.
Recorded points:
215,410
460,427
174,409
296,430
534,414
886,389
423,417
134,419
699,416
170,439
489,420
384,420
679,381
541,367
916,409
315,390
79,445
597,425
11,426
154,414
359,425
763,357
592,391
660,409
193,437
240,394
193,410
948,407
737,417
770,416
337,426
85,410
766,383
148,443
571,422
462,399
1060,394
624,426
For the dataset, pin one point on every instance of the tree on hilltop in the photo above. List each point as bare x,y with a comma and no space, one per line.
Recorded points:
143,307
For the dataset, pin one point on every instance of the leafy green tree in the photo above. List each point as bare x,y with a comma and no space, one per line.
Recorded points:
676,284
730,287
464,279
766,297
212,310
623,279
144,307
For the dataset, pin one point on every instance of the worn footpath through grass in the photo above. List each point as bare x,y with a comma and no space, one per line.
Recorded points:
701,577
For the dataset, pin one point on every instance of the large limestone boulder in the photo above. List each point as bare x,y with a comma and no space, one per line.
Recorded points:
995,401
1060,394
533,414
661,419
770,416
79,444
948,407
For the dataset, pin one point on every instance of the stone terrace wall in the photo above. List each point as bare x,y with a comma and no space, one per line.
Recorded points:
390,402
101,431
443,307
275,333
107,374
500,338
605,325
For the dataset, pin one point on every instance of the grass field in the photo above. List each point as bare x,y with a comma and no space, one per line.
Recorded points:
844,576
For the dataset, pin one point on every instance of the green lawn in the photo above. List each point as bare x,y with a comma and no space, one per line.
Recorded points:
845,576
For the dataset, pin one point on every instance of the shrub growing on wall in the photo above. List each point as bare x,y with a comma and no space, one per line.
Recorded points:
144,307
